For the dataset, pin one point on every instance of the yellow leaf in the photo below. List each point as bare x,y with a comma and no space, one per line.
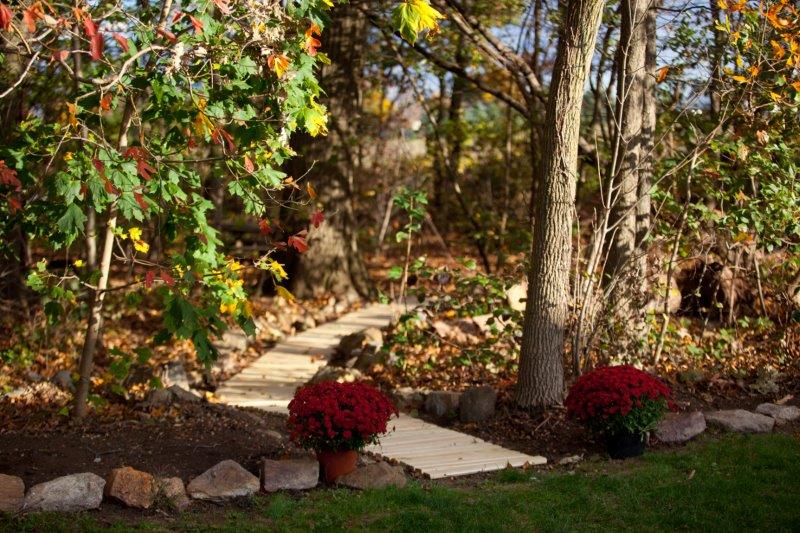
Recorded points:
775,96
277,269
135,233
278,63
285,294
722,4
141,246
78,263
316,120
777,49
428,16
227,308
740,79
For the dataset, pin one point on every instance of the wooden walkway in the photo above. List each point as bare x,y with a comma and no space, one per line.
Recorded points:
270,382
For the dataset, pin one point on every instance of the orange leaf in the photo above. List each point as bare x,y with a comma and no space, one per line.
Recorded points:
121,41
6,16
312,193
198,25
264,227
105,102
248,165
8,176
96,46
223,6
661,74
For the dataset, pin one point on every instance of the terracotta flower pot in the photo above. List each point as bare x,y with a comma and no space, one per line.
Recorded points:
336,464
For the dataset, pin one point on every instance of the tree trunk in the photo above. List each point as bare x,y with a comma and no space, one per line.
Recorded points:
629,153
333,263
649,122
541,376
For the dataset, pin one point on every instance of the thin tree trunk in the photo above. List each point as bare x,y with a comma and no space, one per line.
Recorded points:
541,375
649,121
630,105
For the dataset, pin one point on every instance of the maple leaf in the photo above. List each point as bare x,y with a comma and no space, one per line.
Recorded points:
312,193
169,280
168,35
96,46
197,24
317,217
105,102
6,16
298,242
121,41
284,293
144,169
178,16
31,15
311,43
110,189
14,203
248,165
89,27
140,200
264,227
100,166
223,6
661,74
149,278
279,63
60,55
8,176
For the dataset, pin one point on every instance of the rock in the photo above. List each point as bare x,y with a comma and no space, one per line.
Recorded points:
182,395
158,398
374,476
408,398
360,350
570,460
226,479
63,380
174,492
781,413
291,474
338,374
173,373
12,493
76,492
132,487
767,381
477,404
516,296
680,427
740,421
442,403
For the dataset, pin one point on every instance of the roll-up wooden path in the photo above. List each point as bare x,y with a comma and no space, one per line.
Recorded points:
270,382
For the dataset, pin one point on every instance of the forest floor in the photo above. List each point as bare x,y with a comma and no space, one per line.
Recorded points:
728,483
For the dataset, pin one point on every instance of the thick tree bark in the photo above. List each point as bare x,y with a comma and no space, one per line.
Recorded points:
630,150
541,375
333,264
649,121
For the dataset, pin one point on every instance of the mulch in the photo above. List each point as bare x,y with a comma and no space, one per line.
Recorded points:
183,441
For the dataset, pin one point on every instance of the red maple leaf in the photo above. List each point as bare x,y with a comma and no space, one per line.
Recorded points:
298,242
121,41
264,227
149,278
144,169
89,27
140,200
96,46
317,217
198,25
6,16
169,280
14,203
8,176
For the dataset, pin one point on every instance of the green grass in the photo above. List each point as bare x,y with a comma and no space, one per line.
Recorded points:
740,483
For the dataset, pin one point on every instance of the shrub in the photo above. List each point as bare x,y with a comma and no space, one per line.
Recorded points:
333,416
619,398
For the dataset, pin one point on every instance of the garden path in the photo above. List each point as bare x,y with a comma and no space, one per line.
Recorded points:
270,382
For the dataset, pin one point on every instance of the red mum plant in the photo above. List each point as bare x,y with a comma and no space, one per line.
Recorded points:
616,399
332,416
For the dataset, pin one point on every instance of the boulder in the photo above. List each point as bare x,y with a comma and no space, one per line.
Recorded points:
158,398
227,479
374,476
408,398
781,413
477,404
740,421
360,350
132,487
680,427
173,491
76,492
182,395
442,403
173,373
291,474
63,380
12,493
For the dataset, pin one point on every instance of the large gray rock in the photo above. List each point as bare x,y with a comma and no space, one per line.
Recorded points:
360,350
63,380
477,404
442,403
680,427
374,476
740,421
292,474
12,493
227,479
409,398
174,373
76,492
781,413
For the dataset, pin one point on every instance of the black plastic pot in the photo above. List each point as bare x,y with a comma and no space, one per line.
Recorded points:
625,444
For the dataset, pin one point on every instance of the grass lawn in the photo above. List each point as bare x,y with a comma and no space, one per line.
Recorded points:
736,482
